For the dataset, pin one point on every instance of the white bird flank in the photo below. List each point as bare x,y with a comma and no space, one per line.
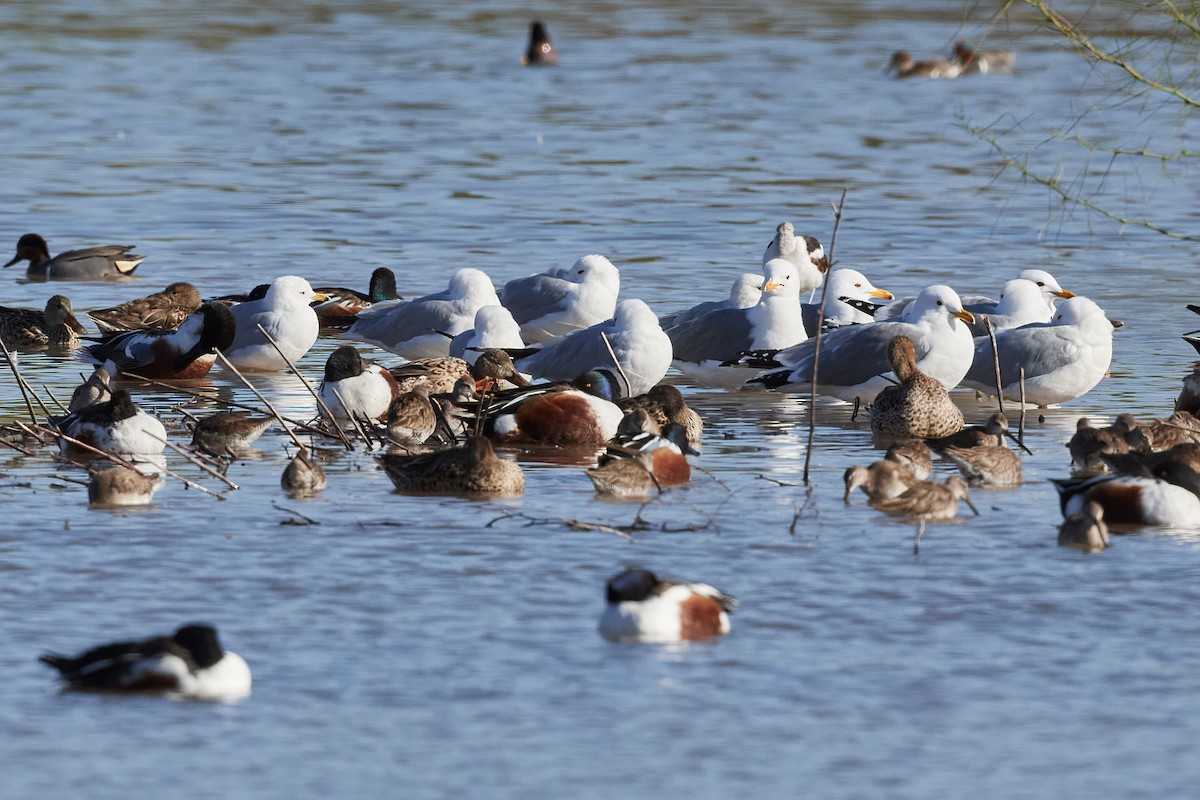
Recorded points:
494,328
658,618
285,314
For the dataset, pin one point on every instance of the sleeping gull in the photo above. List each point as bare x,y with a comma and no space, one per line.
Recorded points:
1063,358
745,293
703,346
854,362
641,348
417,328
803,251
494,327
560,302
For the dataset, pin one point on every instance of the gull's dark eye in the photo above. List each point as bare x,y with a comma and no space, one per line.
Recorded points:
582,271
939,302
858,286
1041,283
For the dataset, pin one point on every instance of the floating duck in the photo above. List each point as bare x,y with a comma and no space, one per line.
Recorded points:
983,61
118,487
643,463
1135,500
665,404
441,373
341,306
164,311
182,354
117,427
285,313
579,413
904,66
473,468
190,663
641,608
919,407
91,263
54,327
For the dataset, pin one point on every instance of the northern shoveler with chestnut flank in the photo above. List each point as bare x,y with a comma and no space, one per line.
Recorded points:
919,407
804,252
54,327
986,464
641,608
904,66
640,464
540,51
228,434
96,389
303,476
913,456
1063,359
356,389
664,403
579,413
90,263
163,311
190,663
880,481
707,348
559,302
1085,529
182,354
284,312
341,306
418,328
854,359
118,427
633,336
118,487
1169,498
472,468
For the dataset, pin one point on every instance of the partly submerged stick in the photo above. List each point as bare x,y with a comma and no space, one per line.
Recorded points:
12,364
1021,424
229,365
320,403
194,460
812,398
991,332
357,428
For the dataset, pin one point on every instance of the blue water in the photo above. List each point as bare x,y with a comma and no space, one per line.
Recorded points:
446,647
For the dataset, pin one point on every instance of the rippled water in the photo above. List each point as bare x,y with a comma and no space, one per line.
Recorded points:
438,647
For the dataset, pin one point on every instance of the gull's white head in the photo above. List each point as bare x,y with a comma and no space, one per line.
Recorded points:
1051,291
937,301
594,269
291,289
853,285
473,284
746,290
781,279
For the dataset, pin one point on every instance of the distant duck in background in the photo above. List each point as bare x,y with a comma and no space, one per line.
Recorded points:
540,51
340,306
983,61
92,263
165,310
54,327
903,65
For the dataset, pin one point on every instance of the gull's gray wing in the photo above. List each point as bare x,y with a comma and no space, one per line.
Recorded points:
851,355
535,296
719,336
1040,348
570,356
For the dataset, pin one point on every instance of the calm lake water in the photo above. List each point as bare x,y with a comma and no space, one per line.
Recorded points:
435,648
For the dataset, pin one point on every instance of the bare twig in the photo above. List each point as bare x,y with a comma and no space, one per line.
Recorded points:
1021,424
12,364
991,332
624,377
192,458
265,401
812,398
320,403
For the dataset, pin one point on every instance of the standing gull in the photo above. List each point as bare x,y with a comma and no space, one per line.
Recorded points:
804,252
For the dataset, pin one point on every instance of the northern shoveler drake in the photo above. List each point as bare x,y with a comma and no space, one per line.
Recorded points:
472,468
1085,529
913,456
706,349
341,306
356,389
745,293
186,353
494,328
96,389
54,327
228,433
303,476
983,61
854,362
539,52
880,481
1063,359
919,407
163,311
904,66
411,417
190,663
633,336
118,427
118,487
927,500
579,413
852,300
440,373
285,313
805,252
665,404
986,464
559,302
1136,500
638,465
991,432
418,328
91,263
639,607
